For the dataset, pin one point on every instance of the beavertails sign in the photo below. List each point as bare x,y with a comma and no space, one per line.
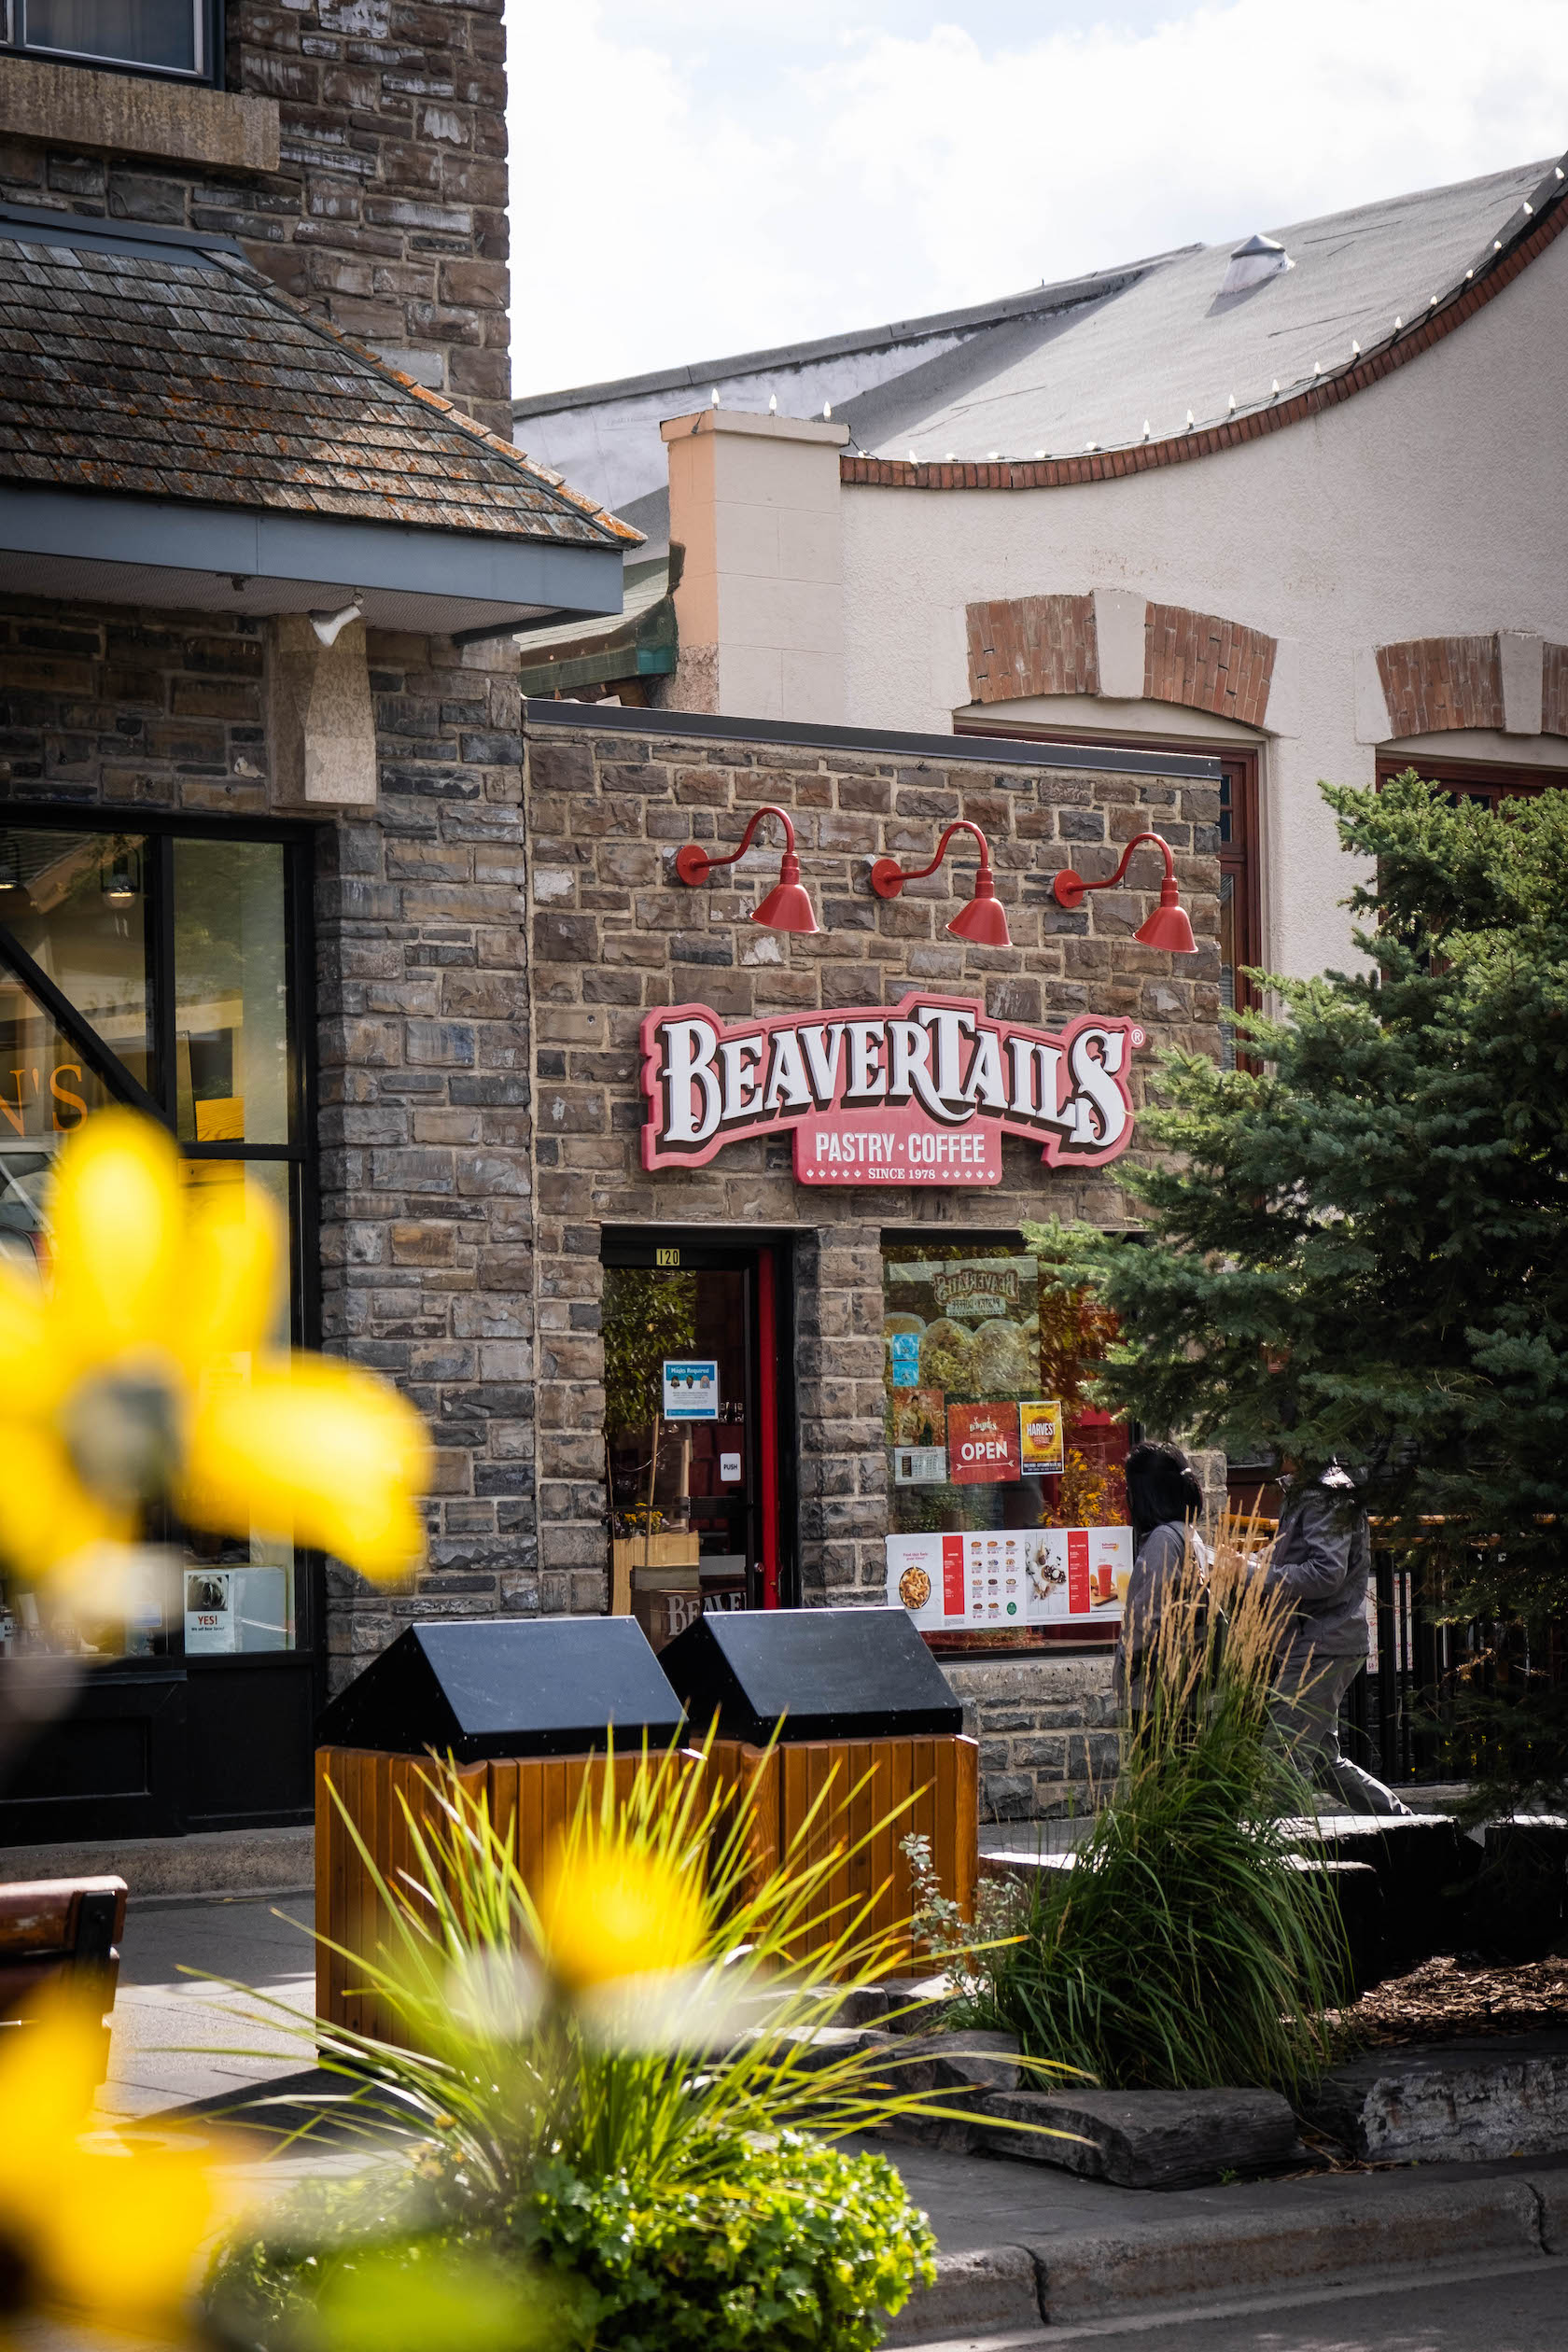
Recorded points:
918,1093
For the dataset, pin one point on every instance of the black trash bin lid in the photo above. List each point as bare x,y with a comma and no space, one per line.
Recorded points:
496,1686
822,1673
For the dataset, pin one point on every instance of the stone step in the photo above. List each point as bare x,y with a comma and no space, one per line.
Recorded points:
1142,2139
1457,2103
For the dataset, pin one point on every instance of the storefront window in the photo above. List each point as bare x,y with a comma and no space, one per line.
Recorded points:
76,904
230,994
168,958
993,1445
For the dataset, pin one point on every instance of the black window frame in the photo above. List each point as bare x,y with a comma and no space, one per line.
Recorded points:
161,828
208,73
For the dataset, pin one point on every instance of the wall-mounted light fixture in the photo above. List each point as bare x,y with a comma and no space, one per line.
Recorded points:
786,907
1167,927
121,879
984,920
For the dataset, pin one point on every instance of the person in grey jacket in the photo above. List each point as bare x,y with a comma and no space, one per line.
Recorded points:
1163,1502
1323,1558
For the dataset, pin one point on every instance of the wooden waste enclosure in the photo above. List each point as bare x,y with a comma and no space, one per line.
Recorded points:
852,1719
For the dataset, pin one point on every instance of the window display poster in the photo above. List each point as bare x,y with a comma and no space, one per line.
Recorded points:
919,1465
210,1627
1040,1432
691,1388
983,1445
905,1346
1011,1576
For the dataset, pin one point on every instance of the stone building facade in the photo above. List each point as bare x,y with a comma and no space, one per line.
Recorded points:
608,799
357,152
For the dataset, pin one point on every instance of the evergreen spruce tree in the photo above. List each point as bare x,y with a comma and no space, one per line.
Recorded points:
1357,1248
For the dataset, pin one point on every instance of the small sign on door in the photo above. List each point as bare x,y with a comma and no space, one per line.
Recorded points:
729,1469
691,1388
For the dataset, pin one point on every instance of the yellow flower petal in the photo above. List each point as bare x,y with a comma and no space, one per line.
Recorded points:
50,2071
312,1451
115,1215
608,1910
28,1380
124,2231
229,1274
47,1515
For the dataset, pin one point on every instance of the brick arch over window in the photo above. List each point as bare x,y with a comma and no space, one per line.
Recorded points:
1510,682
1023,646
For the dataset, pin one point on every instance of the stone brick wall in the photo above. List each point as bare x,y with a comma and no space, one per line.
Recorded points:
137,708
1046,1726
387,211
424,1161
613,933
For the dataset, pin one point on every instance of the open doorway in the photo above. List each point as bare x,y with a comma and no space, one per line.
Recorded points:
698,1401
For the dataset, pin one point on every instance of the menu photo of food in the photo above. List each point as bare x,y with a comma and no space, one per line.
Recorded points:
919,1417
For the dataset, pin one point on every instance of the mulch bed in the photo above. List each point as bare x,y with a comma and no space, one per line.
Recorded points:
1448,2000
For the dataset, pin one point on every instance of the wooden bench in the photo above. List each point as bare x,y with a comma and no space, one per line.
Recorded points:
64,1931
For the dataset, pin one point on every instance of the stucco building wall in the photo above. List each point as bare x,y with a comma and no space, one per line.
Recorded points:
1433,504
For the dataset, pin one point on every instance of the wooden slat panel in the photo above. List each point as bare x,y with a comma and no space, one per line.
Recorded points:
967,1830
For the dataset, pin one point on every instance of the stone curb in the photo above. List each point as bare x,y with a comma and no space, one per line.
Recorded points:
1321,2234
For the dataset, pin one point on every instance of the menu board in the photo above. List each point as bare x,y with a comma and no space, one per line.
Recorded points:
1011,1577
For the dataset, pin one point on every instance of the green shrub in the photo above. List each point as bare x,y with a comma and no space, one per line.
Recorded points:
801,2249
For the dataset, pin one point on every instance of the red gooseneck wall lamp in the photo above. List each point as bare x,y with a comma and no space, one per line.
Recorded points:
1167,927
984,920
786,907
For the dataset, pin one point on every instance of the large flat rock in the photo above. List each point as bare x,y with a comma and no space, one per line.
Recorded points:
1142,2139
1457,2103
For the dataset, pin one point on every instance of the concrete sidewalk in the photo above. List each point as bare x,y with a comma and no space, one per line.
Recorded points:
168,2024
1024,2247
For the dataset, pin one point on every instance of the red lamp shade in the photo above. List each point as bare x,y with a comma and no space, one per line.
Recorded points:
1167,927
787,906
983,921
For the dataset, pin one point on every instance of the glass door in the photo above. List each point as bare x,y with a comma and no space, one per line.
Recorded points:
691,1429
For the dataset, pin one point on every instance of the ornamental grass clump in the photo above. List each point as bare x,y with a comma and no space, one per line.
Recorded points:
1186,1949
615,2086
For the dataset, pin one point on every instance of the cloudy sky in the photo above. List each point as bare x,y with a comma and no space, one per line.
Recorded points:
695,177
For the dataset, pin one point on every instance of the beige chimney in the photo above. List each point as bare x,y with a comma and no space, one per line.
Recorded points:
754,501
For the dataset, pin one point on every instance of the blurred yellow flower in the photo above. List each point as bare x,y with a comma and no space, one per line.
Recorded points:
144,1370
609,1909
91,2229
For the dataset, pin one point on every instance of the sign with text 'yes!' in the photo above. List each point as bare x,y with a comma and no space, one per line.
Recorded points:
918,1093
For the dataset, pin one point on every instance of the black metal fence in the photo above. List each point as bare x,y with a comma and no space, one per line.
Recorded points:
1406,1717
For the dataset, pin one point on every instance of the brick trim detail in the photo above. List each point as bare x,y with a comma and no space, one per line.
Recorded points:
1554,690
1434,684
1207,663
1022,646
1032,644
1180,448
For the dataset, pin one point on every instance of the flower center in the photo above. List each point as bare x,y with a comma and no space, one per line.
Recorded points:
122,1431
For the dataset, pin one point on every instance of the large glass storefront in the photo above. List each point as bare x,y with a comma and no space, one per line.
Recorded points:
160,967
